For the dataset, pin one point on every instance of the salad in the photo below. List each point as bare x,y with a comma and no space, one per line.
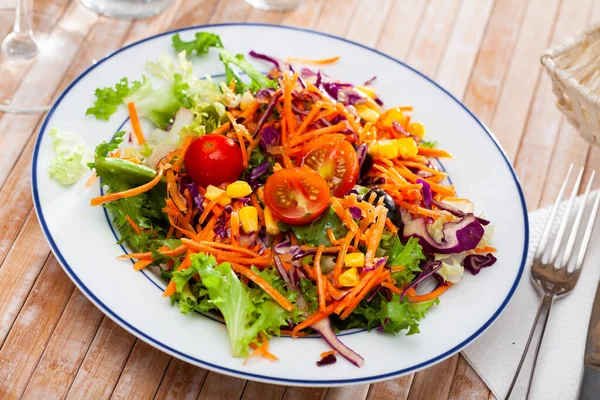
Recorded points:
287,203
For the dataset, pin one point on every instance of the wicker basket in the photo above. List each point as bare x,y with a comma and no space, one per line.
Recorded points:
574,66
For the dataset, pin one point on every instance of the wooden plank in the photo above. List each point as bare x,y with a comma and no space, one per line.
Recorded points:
231,11
422,387
523,74
348,392
467,384
263,391
304,393
401,27
494,56
434,30
535,154
181,381
20,271
142,373
368,22
65,350
28,337
103,363
462,48
194,13
217,386
333,15
305,15
394,389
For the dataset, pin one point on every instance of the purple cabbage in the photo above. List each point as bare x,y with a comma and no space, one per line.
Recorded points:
378,263
283,272
355,212
474,262
260,170
370,81
327,360
361,152
456,212
399,128
221,229
426,191
430,268
196,196
264,94
270,137
268,112
459,236
248,240
276,62
323,327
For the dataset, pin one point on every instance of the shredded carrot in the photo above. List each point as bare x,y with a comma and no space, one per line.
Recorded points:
91,180
429,152
264,285
209,207
392,287
340,126
331,236
375,235
178,199
135,226
170,290
147,255
398,268
350,118
312,61
328,353
288,114
96,201
135,123
141,264
415,209
337,270
261,350
356,290
309,118
429,296
320,278
316,317
486,249
371,283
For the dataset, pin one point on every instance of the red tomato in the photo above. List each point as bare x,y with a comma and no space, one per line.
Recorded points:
335,160
213,160
296,195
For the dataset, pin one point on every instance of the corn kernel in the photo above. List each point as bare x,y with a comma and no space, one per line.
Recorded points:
213,192
354,260
384,149
407,148
416,129
367,113
349,278
238,189
391,115
248,219
271,222
367,90
246,100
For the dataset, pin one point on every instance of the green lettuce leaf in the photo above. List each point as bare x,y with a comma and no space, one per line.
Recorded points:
70,157
410,254
246,316
108,99
315,233
202,42
258,80
430,145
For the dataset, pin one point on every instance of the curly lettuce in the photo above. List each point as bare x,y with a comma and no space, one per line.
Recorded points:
70,157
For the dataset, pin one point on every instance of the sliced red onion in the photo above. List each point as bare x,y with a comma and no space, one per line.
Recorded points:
370,81
474,262
459,236
426,191
456,212
355,212
399,128
327,360
268,111
430,268
283,272
325,330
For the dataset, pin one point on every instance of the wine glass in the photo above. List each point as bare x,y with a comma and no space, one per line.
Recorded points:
36,43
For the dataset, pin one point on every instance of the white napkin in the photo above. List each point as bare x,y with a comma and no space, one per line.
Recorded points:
496,354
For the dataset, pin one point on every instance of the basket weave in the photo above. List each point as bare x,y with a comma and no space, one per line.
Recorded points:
574,66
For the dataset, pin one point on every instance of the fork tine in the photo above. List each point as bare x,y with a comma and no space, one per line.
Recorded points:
575,228
544,238
588,233
565,220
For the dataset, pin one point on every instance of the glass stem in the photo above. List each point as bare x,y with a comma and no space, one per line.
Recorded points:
19,43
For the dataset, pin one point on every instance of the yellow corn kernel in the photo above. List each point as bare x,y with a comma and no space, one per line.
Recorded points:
349,278
271,222
384,149
407,148
366,113
367,90
238,189
416,129
213,192
248,219
246,100
391,115
354,260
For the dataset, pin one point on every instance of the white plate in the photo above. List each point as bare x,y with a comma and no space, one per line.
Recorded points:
84,244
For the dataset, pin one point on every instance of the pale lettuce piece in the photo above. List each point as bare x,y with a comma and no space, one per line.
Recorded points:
71,156
451,270
160,142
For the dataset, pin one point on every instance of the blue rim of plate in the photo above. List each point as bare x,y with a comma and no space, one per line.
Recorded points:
238,373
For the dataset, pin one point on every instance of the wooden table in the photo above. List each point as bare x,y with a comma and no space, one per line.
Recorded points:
54,343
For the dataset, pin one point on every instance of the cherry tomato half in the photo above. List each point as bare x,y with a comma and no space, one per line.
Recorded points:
213,160
335,160
296,195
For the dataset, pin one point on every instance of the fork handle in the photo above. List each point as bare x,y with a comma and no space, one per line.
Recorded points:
521,383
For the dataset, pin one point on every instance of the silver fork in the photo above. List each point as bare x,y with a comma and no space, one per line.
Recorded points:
554,278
